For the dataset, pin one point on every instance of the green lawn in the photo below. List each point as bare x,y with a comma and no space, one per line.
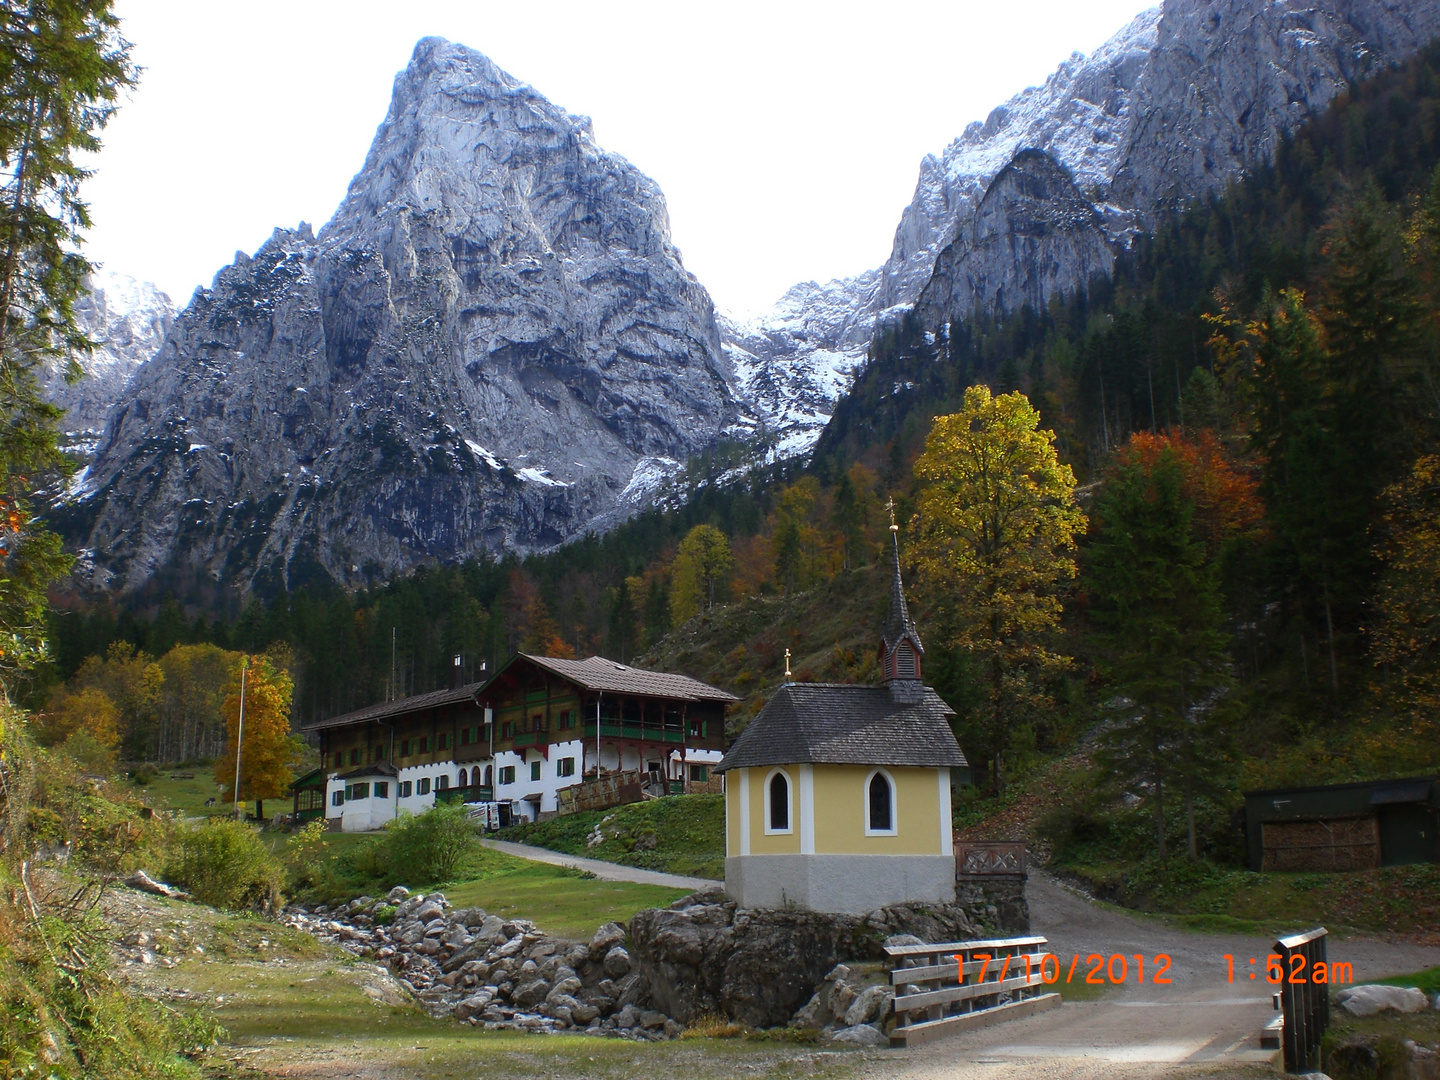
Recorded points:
186,796
688,833
556,899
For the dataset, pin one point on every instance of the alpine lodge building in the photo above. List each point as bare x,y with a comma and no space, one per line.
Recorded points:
537,726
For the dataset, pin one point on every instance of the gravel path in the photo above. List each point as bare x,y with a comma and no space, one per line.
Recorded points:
605,871
1200,1024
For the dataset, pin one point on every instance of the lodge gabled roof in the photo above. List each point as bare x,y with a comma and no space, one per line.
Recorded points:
608,676
592,673
848,724
399,707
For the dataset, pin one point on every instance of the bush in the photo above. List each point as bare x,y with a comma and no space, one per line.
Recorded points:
143,775
224,863
429,848
88,752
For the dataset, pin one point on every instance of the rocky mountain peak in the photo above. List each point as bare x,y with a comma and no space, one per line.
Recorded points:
492,346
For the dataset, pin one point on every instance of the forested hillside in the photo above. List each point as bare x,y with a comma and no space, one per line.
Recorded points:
1245,424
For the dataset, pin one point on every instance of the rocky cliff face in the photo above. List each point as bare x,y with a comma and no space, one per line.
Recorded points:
1182,99
493,345
1032,234
128,320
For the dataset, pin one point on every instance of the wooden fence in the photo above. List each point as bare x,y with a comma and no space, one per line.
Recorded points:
1304,1003
612,789
956,986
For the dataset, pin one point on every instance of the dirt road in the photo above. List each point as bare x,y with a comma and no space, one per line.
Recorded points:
1199,1024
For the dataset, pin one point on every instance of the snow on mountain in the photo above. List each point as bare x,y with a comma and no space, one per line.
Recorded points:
128,320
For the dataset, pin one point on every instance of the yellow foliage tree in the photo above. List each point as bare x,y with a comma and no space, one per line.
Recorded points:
86,709
703,559
1405,637
269,750
994,529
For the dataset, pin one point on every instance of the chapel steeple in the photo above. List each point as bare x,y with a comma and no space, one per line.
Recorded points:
900,650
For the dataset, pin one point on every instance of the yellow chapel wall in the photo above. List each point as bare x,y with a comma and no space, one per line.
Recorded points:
762,843
841,805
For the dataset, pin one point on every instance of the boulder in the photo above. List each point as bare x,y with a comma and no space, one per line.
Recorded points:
563,988
861,1035
812,1014
1369,999
473,1006
530,993
428,911
398,895
617,962
871,1006
842,996
605,939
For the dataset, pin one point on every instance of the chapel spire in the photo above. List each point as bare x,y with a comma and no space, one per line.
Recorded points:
900,648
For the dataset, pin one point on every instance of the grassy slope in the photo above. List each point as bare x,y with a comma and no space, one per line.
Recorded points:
688,832
294,1008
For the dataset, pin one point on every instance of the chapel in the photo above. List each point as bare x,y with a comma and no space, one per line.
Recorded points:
837,796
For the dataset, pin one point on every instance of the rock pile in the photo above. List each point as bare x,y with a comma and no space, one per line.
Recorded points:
493,972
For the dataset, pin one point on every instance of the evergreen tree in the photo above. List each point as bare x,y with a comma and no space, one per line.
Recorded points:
62,67
1157,604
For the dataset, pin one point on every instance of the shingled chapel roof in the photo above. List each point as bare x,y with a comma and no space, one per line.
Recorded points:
847,724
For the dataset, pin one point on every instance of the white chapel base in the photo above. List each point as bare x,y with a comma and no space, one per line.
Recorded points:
849,884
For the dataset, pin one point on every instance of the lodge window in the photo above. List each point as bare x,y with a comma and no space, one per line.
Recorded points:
535,770
699,773
424,745
507,774
358,791
382,789
465,736
422,786
442,782
777,799
564,767
379,753
339,759
484,733
442,741
695,729
505,729
355,756
309,799
537,722
564,719
404,747
405,789
880,805
337,798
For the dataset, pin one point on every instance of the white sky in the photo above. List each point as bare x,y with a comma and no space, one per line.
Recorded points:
786,136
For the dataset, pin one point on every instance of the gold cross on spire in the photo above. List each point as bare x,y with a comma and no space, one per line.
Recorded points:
890,505
787,664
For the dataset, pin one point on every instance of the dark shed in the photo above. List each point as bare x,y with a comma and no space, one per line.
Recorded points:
1344,826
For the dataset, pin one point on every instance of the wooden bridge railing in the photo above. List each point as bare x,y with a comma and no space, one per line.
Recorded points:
955,986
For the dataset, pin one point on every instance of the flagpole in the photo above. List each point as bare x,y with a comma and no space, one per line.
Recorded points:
240,735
